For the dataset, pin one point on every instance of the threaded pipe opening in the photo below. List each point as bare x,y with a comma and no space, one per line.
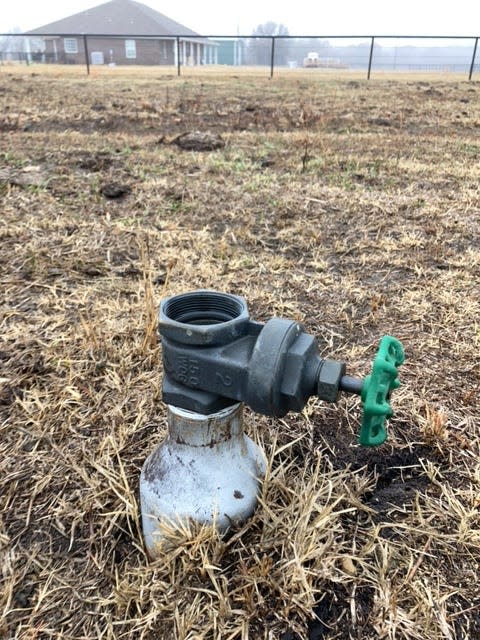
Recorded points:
203,308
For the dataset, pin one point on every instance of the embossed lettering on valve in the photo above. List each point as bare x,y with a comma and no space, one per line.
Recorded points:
223,380
187,371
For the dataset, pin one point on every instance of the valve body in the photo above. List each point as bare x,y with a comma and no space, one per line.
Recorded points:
215,356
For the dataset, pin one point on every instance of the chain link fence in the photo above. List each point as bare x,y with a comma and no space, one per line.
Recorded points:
274,54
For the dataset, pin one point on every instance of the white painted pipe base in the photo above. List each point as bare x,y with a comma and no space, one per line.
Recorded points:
207,470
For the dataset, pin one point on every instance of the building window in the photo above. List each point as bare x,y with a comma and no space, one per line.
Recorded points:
70,45
130,49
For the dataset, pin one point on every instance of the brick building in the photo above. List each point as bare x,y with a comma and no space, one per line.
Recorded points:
124,32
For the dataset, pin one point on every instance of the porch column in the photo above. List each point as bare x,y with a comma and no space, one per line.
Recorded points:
28,50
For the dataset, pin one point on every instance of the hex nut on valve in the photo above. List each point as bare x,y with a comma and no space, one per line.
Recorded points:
300,371
328,381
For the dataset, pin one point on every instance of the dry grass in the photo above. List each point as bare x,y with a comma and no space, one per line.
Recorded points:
351,207
216,72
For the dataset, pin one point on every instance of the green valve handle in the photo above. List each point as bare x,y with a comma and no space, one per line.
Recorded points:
376,391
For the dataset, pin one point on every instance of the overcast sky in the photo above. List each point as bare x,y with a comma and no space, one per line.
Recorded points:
223,17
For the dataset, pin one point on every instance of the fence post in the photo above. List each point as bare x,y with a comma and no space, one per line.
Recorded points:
472,65
85,47
370,58
178,55
272,57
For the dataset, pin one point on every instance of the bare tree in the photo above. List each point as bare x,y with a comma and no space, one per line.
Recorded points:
260,47
12,46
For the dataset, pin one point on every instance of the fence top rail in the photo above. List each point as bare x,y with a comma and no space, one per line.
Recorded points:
238,37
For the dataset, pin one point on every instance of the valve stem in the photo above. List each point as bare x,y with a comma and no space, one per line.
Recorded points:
351,384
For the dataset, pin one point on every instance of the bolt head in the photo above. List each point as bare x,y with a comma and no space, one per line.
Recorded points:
301,364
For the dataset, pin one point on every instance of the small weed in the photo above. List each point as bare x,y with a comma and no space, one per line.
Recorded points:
10,158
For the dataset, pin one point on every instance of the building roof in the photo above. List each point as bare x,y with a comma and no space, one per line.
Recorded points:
117,17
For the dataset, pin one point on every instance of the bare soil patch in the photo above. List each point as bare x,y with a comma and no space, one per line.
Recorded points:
351,207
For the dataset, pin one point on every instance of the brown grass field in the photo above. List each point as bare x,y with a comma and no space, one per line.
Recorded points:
352,207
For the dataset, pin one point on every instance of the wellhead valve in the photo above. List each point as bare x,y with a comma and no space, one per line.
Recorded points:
216,359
